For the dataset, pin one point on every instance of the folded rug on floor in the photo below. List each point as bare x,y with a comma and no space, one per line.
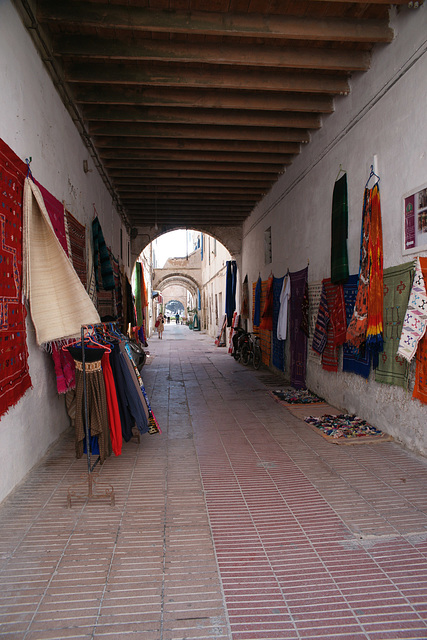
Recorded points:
296,396
346,429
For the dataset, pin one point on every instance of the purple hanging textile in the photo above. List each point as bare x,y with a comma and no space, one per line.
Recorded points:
298,339
230,290
278,347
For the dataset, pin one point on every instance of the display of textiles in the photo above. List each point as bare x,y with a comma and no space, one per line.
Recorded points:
76,235
244,312
314,294
336,328
15,376
278,346
339,232
263,334
230,290
101,258
55,209
59,303
257,303
116,398
266,323
298,339
420,387
366,324
415,322
355,360
393,368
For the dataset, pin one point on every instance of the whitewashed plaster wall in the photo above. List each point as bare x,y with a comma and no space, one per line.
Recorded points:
35,123
215,256
384,116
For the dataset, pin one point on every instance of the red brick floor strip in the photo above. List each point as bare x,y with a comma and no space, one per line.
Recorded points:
236,523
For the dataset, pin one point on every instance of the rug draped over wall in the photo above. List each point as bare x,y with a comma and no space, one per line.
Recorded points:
14,373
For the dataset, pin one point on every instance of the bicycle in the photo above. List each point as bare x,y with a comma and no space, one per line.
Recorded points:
251,350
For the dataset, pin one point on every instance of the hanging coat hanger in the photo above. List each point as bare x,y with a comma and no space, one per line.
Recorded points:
340,171
372,175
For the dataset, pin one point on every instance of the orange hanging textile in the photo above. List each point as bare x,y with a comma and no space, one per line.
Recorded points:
267,314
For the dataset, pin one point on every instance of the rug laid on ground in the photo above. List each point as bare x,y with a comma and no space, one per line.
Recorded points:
296,396
346,429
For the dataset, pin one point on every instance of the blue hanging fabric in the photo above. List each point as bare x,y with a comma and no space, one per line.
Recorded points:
230,290
257,304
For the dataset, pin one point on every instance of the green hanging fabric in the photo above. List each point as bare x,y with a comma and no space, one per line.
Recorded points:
339,232
138,296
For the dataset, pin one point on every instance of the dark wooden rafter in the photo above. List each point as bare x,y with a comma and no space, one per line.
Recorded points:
193,115
217,24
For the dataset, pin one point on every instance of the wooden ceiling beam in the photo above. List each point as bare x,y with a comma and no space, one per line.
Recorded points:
148,176
110,16
151,198
168,183
179,162
212,117
158,190
113,144
139,131
198,99
175,75
220,53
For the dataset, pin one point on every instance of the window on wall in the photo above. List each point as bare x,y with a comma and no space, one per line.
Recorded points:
267,246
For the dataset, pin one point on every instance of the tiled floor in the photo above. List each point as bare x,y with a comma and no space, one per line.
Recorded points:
237,522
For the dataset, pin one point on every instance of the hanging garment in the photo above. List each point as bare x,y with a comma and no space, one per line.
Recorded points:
55,209
392,368
282,321
244,312
420,387
126,419
136,404
15,377
337,325
64,369
101,257
339,232
257,303
96,407
230,290
320,335
138,294
374,332
355,360
298,339
415,322
76,241
278,347
112,406
266,323
305,312
59,304
366,323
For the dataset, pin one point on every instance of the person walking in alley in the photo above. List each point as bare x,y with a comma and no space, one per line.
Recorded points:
177,318
160,325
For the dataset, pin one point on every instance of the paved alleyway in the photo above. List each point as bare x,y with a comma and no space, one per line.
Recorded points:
237,522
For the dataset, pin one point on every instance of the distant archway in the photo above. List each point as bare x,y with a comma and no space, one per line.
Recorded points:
173,307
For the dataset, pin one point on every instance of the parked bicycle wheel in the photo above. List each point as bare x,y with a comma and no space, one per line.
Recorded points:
257,357
245,355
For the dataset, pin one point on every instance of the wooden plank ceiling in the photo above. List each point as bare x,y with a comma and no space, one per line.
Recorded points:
191,109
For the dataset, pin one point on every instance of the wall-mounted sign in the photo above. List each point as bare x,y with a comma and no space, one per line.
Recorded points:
415,221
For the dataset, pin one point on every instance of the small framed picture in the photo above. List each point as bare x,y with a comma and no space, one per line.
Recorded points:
415,221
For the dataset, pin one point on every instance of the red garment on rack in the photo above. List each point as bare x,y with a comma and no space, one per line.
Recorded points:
112,405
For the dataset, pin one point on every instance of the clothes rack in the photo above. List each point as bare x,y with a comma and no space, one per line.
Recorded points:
89,487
